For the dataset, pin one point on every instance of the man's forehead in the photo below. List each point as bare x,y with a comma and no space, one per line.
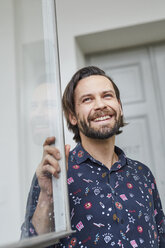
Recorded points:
94,84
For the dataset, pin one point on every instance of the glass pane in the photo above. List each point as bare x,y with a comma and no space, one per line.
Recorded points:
31,112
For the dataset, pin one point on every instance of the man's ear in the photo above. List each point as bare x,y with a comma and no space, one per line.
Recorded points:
121,110
72,119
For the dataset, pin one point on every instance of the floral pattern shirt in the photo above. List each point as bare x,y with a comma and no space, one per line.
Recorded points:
119,207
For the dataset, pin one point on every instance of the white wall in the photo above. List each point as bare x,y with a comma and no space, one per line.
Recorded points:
9,165
80,17
77,17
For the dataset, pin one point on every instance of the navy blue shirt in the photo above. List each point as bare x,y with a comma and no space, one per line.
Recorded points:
119,207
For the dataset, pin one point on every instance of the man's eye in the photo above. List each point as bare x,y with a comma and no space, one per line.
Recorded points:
108,95
87,99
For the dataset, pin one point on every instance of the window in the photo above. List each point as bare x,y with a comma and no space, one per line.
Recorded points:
31,111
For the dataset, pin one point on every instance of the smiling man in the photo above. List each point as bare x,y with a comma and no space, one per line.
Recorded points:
97,109
114,200
97,116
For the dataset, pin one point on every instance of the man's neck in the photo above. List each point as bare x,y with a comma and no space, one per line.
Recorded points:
101,150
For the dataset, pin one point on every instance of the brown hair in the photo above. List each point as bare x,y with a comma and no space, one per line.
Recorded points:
68,96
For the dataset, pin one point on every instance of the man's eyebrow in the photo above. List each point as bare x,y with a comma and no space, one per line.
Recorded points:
109,91
91,94
85,95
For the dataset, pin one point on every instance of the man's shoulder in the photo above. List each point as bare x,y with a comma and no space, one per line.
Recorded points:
135,164
74,149
78,150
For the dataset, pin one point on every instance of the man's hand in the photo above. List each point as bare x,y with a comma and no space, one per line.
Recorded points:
42,219
49,165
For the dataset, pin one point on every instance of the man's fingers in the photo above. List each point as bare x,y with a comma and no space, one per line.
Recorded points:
49,170
52,150
49,141
51,154
48,159
67,150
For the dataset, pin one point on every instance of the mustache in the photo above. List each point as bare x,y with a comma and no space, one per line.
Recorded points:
101,113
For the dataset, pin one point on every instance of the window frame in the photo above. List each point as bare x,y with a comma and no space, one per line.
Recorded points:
40,241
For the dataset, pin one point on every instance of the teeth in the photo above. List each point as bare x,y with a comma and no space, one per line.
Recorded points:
102,118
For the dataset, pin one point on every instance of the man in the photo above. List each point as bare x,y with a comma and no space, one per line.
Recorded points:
114,200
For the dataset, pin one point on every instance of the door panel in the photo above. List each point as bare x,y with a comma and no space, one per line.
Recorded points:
141,139
135,139
159,68
128,77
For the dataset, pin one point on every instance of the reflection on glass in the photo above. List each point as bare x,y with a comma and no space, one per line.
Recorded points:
42,124
43,110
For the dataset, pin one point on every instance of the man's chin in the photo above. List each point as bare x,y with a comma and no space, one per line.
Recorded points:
100,131
97,134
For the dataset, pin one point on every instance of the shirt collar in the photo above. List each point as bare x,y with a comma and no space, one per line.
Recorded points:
80,155
122,161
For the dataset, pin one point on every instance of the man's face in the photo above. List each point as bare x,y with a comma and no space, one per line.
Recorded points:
98,111
43,112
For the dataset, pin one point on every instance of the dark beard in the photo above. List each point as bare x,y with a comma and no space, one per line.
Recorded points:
103,133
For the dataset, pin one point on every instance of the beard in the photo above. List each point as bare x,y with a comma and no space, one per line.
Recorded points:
104,132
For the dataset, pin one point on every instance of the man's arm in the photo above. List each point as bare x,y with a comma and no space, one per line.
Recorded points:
27,228
41,216
159,215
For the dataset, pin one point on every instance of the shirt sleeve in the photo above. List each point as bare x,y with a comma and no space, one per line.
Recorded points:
27,228
159,215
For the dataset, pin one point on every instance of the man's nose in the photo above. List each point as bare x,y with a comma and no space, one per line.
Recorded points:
99,103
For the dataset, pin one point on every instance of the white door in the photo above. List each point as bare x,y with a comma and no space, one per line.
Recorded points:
142,138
